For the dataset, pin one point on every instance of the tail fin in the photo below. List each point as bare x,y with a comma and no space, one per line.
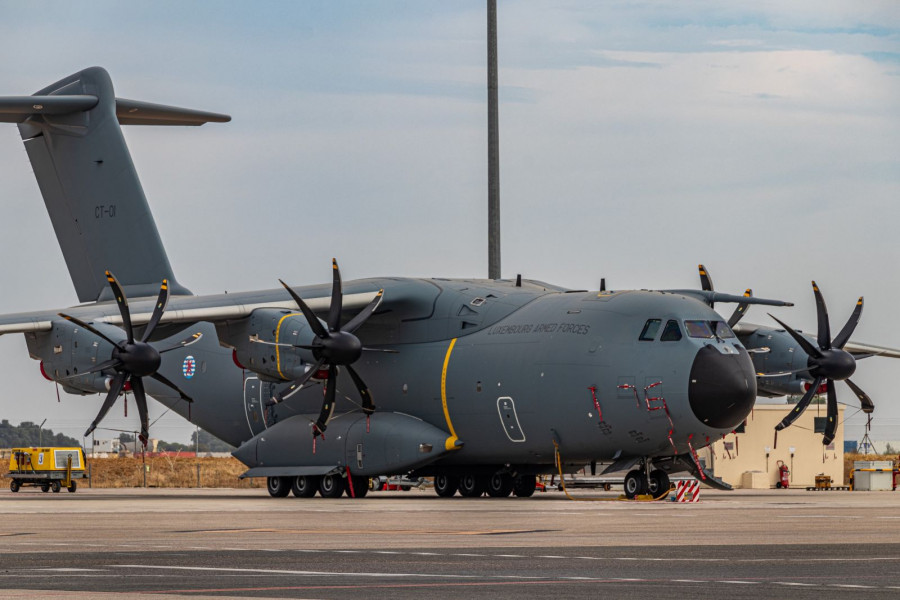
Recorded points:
87,178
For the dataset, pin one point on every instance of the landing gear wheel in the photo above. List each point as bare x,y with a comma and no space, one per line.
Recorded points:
55,486
72,487
14,486
331,486
659,483
305,486
500,485
635,484
278,487
524,486
360,486
45,487
472,486
446,485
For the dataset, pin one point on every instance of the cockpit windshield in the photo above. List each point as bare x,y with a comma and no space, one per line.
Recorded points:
708,329
723,330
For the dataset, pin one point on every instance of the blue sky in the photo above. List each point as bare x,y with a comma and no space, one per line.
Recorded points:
637,140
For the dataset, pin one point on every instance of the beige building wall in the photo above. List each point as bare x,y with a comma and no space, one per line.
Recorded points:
738,453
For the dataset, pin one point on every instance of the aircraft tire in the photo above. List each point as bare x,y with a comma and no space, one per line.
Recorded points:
500,485
524,486
331,486
445,486
659,482
14,486
72,487
360,486
305,486
472,486
635,483
278,487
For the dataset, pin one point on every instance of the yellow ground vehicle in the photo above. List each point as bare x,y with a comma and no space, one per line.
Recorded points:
46,468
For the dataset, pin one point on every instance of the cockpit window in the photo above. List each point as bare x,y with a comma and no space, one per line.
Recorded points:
672,332
698,329
648,334
723,330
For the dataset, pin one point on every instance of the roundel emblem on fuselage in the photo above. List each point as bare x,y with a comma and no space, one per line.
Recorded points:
189,367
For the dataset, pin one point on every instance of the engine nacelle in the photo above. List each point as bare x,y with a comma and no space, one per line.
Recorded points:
67,350
248,337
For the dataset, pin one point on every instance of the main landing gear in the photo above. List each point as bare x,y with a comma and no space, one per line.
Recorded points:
327,486
645,480
474,485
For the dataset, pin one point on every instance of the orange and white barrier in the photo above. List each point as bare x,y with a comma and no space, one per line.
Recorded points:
687,491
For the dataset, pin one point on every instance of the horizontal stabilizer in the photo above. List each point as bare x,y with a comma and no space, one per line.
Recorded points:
134,112
16,109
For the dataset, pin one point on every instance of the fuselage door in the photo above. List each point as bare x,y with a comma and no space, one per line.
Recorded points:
509,420
254,405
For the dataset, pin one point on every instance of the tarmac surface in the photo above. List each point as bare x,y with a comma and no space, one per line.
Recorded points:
166,543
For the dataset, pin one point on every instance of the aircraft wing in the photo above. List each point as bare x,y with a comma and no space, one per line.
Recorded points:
187,309
743,330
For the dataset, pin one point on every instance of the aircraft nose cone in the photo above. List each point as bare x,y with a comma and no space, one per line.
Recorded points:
722,387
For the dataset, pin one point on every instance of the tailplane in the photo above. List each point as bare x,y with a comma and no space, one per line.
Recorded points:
87,178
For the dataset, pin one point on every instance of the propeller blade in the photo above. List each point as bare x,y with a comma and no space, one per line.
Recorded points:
328,403
740,310
357,321
84,325
109,364
158,310
844,336
122,301
705,280
140,398
867,405
801,406
115,388
706,283
804,343
168,383
295,387
311,317
365,394
824,333
191,339
831,423
337,298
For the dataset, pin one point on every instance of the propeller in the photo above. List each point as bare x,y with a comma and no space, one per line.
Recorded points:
133,360
332,347
706,285
827,362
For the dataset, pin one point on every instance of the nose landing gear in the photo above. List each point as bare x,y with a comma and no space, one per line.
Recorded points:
646,480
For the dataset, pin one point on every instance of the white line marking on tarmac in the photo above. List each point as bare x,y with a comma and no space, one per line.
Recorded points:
71,570
741,582
319,573
794,583
850,585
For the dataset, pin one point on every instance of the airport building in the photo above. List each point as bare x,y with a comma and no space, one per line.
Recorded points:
750,457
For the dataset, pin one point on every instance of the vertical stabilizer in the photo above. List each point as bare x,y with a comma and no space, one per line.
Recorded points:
72,134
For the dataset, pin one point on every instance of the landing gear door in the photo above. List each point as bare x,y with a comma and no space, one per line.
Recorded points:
253,404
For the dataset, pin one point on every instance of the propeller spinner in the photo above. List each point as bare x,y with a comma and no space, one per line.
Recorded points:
133,360
827,362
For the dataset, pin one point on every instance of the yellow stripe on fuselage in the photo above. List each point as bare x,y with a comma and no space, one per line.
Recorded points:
450,444
278,348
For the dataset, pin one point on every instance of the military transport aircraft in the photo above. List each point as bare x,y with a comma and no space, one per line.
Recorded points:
481,384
